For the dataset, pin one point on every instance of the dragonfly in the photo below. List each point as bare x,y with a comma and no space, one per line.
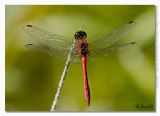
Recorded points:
59,46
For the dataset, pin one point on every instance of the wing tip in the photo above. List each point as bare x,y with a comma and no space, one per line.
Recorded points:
28,45
131,22
133,43
29,25
24,27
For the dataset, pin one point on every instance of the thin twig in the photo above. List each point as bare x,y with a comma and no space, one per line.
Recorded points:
63,76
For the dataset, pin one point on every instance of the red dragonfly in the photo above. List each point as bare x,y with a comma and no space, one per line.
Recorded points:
59,46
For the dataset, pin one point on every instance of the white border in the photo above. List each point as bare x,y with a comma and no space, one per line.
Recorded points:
2,58
158,55
96,2
71,2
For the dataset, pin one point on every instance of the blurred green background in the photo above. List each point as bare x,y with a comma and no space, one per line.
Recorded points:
123,81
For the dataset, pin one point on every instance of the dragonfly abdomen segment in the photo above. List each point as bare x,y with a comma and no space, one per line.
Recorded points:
86,85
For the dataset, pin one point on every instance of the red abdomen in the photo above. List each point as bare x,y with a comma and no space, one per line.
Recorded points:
86,86
82,48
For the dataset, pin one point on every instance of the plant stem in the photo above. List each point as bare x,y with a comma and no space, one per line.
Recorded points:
63,76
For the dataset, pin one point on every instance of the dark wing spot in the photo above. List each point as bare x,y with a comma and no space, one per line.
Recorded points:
29,45
29,25
133,43
130,22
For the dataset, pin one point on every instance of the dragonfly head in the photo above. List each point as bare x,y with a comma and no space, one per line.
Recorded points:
80,35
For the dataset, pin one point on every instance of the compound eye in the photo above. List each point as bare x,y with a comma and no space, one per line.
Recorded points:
76,35
85,34
80,35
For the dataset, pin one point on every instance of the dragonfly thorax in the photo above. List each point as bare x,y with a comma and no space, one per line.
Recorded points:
80,35
84,49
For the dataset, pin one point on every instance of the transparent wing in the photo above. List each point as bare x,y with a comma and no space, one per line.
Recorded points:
76,59
38,33
109,50
108,39
50,43
48,48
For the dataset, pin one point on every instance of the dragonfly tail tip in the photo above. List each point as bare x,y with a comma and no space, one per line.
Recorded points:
88,104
